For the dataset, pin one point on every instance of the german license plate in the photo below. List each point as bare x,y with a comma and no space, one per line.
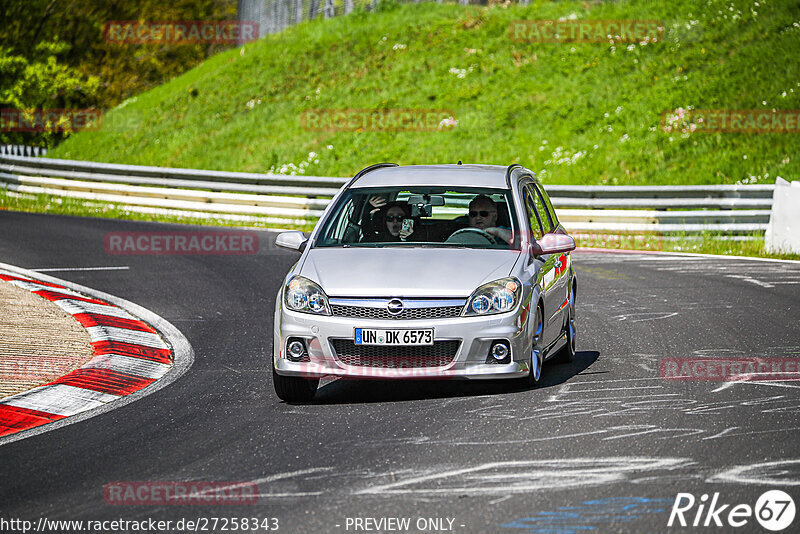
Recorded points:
372,336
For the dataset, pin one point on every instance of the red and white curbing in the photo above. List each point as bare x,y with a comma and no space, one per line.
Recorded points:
129,355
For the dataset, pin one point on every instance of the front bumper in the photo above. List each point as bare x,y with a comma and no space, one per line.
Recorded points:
475,336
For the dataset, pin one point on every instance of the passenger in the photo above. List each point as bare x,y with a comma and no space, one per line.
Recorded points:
483,216
388,221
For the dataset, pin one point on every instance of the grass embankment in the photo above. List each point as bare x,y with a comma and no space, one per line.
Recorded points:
585,113
577,113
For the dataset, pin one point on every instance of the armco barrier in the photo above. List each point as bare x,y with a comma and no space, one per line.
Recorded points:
734,210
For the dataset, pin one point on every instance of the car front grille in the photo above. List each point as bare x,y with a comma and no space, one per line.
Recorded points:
439,354
364,312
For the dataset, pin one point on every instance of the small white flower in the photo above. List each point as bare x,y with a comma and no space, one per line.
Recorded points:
330,147
398,46
624,138
449,122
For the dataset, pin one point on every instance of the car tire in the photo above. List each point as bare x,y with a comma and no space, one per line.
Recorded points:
537,354
293,388
567,353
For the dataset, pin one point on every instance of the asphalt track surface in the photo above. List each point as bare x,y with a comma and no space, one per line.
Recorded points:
606,436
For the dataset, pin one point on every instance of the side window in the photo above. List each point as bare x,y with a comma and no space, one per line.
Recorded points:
550,211
547,224
533,216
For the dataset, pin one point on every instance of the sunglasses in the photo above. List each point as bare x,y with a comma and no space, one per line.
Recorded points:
482,213
395,218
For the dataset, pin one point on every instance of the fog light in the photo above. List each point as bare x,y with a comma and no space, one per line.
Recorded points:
500,351
295,350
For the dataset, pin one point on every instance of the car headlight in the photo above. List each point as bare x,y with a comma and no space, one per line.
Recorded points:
303,295
500,296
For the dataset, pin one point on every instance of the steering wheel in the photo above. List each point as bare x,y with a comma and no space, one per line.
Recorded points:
470,236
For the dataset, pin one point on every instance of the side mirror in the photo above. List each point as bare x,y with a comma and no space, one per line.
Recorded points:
293,240
553,244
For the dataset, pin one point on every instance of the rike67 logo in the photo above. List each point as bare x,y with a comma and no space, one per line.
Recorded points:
774,510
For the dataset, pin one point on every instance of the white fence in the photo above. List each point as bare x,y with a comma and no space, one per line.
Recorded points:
274,16
737,211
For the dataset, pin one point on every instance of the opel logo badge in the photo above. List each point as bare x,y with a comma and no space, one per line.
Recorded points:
395,306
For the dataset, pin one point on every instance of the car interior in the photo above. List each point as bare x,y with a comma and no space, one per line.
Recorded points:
426,226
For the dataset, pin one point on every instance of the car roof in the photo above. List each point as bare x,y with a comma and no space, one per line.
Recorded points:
489,176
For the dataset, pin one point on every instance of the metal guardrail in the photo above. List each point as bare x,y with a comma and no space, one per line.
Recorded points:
727,209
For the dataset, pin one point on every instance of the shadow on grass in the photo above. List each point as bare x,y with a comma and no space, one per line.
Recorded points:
344,391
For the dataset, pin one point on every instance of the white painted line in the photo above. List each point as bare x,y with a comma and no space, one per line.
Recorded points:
128,365
57,269
678,255
74,307
124,335
59,399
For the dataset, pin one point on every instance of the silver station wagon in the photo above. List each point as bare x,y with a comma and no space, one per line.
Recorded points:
429,271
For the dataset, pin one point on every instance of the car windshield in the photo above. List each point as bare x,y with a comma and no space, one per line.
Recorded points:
422,217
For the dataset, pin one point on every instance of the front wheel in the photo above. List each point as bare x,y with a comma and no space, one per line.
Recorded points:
537,355
293,388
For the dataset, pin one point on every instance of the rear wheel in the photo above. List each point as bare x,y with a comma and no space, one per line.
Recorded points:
293,388
567,353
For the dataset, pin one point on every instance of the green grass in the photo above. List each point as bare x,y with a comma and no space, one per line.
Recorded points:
706,244
580,113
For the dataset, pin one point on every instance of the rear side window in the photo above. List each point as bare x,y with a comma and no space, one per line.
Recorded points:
549,205
533,216
541,209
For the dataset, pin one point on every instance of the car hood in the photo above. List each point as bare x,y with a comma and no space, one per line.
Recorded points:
405,272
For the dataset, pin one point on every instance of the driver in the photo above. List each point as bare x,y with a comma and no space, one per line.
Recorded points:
483,216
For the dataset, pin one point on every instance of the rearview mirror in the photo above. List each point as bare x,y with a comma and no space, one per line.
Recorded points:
553,244
293,240
422,205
